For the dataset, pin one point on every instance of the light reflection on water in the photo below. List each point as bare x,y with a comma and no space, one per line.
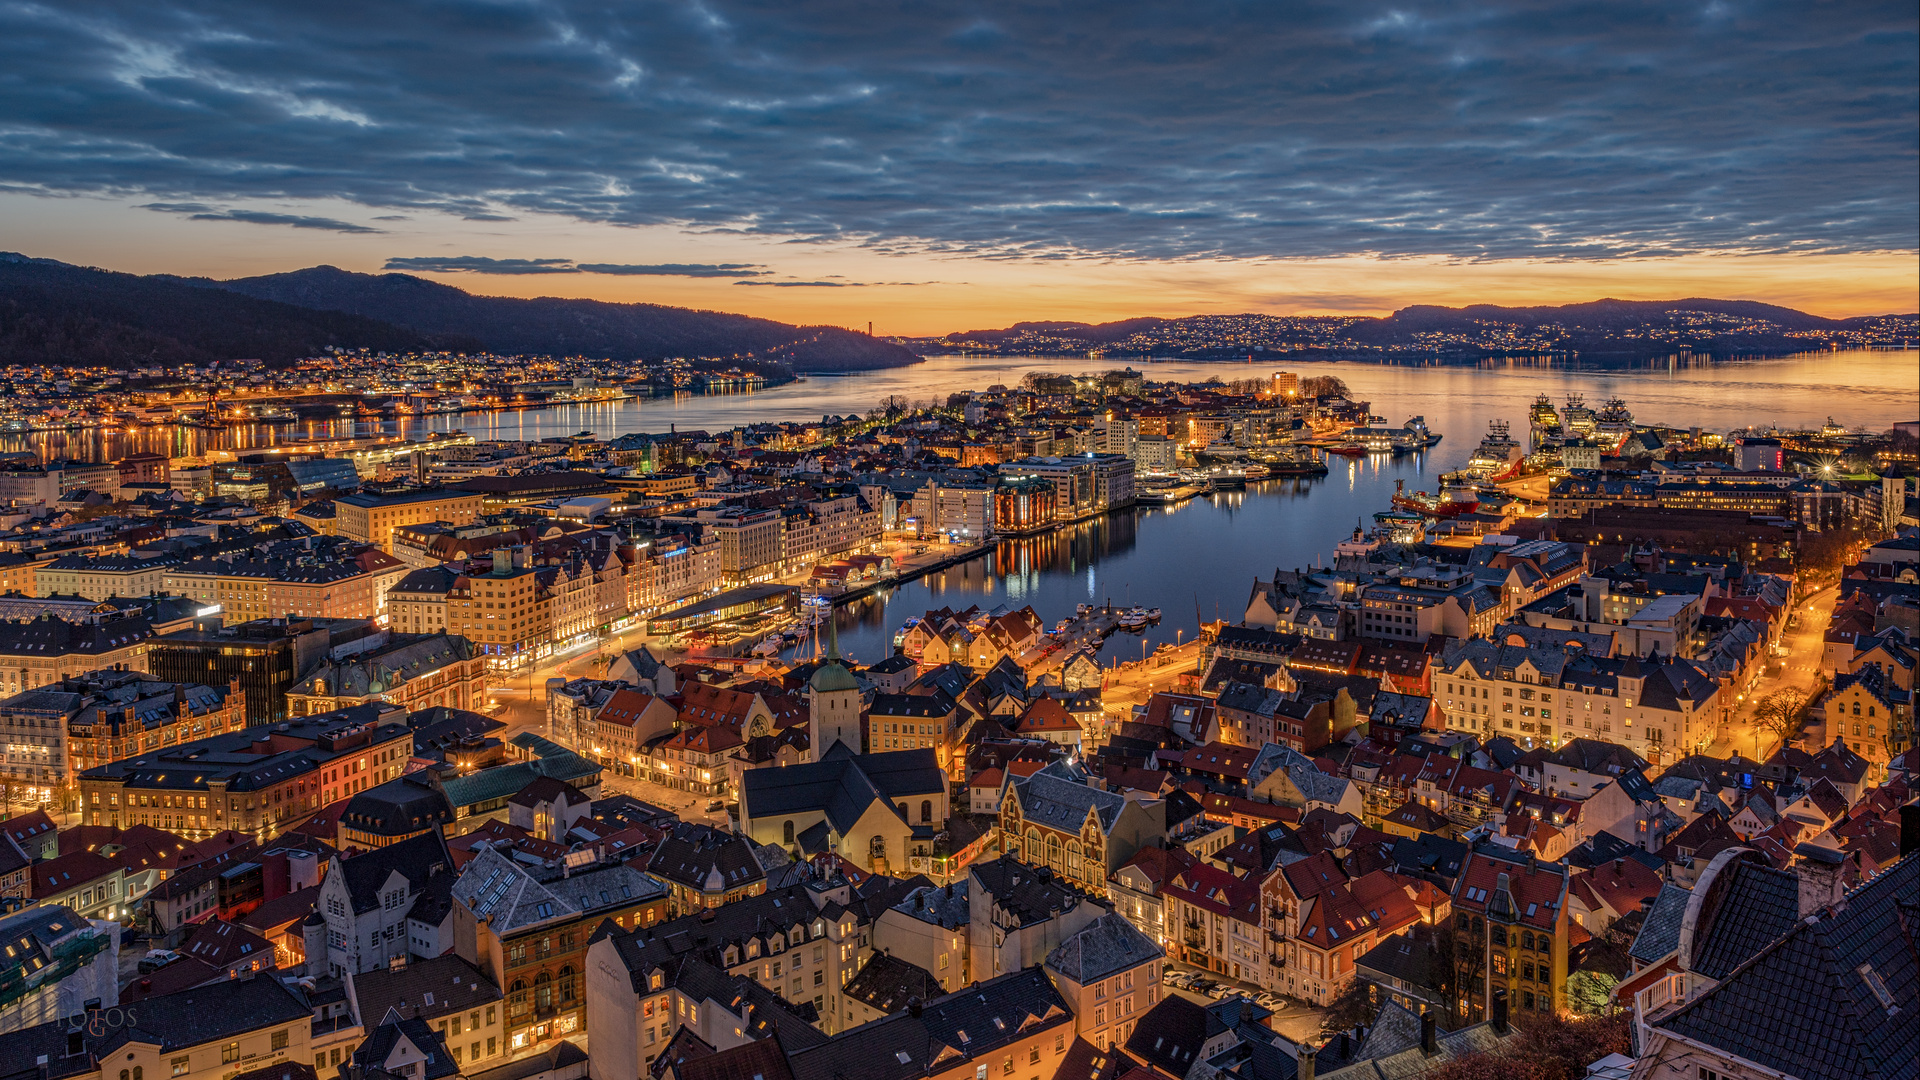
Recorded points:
1196,561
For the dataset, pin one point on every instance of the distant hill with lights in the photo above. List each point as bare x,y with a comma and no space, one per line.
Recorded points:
56,313
1599,330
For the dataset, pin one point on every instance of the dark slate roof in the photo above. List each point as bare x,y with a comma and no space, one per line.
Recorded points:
1170,1035
1028,893
1757,904
1430,856
1413,957
1603,847
1105,946
942,905
405,804
887,983
1055,797
29,938
843,785
429,989
1837,997
416,858
762,1059
1660,934
695,853
381,1042
973,1022
205,1014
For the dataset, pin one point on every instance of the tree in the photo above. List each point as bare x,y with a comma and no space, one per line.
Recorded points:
1545,1048
1315,386
1352,1006
1491,1067
894,404
1778,715
1572,1043
1590,991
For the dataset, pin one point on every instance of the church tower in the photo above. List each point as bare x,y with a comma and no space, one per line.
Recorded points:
833,702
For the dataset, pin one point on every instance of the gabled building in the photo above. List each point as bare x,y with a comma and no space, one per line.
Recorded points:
1055,819
528,931
706,868
1017,914
364,901
1109,973
1511,909
878,811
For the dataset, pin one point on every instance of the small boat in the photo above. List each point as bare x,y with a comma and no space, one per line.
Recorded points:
1350,449
1134,619
1153,614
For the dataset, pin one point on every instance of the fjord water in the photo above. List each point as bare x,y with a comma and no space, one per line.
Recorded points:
1196,561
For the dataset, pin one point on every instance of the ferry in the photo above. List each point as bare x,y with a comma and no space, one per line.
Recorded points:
1348,449
1496,452
1293,461
1226,478
1222,449
1167,490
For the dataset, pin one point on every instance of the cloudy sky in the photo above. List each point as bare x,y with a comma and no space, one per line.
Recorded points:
935,166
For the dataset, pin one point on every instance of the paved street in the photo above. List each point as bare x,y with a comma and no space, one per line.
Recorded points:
1805,640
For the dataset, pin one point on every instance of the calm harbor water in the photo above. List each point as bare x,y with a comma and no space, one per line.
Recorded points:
1196,561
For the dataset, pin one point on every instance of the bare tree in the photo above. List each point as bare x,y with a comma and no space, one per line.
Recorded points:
1779,714
1314,386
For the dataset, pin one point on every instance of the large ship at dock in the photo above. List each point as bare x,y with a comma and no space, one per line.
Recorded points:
1576,418
1543,423
1496,453
1613,422
1456,497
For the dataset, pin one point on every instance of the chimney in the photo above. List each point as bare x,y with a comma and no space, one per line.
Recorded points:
1346,1046
1500,1011
1429,1033
1820,872
1303,1061
1910,828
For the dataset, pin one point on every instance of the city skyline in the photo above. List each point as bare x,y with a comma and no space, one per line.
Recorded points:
946,171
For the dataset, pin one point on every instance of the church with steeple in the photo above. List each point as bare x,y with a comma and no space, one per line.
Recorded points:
833,703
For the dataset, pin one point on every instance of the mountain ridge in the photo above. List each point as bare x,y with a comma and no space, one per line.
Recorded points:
54,312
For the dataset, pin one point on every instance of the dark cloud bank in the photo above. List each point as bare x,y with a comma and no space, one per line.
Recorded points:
1167,130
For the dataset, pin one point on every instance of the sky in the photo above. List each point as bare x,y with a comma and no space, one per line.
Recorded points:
932,167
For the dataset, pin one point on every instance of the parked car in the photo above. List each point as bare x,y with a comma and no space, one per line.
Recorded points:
156,959
716,806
